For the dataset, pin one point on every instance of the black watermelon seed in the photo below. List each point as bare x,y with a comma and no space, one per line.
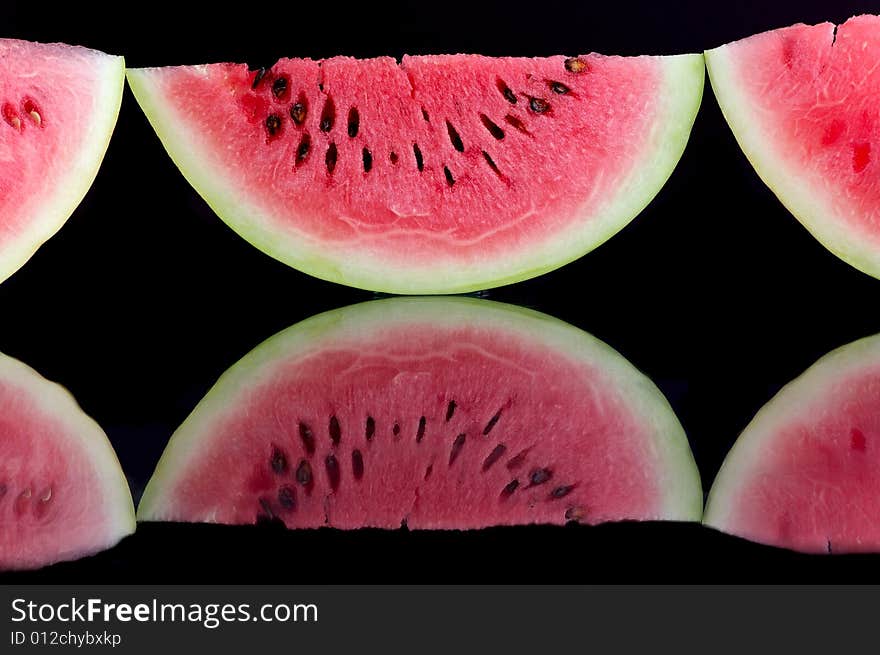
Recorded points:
425,115
491,163
457,445
450,410
509,489
396,429
562,492
540,476
494,130
308,439
299,109
357,464
302,150
538,105
278,461
449,179
368,160
304,473
328,115
558,87
331,157
287,497
454,137
509,95
332,466
335,430
420,433
494,456
279,87
261,73
273,124
492,422
371,428
393,157
420,163
354,121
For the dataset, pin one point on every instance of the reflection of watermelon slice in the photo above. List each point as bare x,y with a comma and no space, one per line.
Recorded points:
803,104
439,174
433,413
62,492
805,473
58,107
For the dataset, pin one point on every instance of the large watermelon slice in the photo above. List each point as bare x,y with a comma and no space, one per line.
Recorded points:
805,473
803,104
431,413
58,107
62,491
437,174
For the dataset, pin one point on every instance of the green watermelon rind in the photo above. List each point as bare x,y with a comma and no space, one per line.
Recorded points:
70,190
116,504
804,200
679,477
683,78
807,390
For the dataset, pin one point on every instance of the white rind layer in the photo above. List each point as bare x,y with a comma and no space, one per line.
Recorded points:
71,188
680,97
678,474
114,497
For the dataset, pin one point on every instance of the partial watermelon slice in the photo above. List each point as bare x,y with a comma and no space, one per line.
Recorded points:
803,104
62,492
805,473
438,174
58,108
430,413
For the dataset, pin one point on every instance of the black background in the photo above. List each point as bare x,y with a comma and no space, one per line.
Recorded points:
145,297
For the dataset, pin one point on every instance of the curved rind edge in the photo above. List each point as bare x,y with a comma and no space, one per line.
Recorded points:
56,401
801,392
683,83
797,196
684,496
82,174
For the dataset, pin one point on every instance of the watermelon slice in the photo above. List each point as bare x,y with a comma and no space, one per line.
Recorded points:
62,491
802,102
805,473
59,105
447,413
439,174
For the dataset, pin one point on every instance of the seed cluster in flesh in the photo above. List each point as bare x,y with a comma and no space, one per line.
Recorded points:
419,427
289,481
290,110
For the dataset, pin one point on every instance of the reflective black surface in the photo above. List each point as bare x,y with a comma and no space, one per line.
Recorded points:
145,297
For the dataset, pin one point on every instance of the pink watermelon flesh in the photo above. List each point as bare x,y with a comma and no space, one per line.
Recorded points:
62,493
395,176
58,106
803,102
805,474
409,418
